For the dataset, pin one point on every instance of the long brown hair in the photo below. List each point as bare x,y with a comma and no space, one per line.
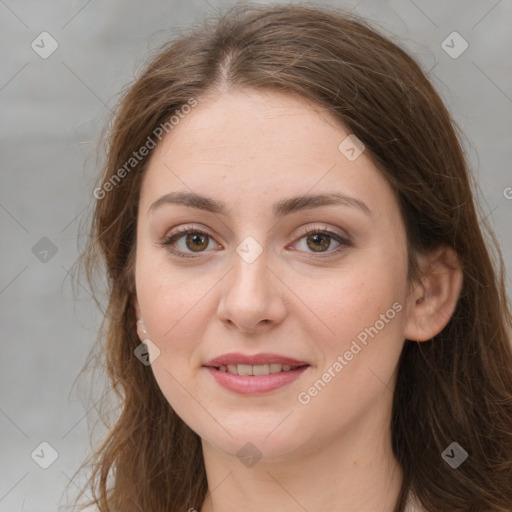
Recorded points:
456,387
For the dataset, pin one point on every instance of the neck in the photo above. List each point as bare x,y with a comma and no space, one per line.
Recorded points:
355,473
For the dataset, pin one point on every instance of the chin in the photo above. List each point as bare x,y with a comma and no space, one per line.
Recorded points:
257,440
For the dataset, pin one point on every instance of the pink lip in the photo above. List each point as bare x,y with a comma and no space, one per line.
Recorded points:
255,384
235,358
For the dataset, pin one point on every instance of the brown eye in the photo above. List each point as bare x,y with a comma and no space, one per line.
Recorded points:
186,242
196,242
318,242
321,241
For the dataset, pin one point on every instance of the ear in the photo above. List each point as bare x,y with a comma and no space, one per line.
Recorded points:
432,302
136,307
141,329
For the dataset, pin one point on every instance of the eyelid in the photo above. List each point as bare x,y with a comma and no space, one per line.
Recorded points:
184,228
308,230
343,240
178,233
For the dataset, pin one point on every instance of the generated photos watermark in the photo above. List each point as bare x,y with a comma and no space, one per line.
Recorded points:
357,345
137,156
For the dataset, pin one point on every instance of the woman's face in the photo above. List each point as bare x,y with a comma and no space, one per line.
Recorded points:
253,284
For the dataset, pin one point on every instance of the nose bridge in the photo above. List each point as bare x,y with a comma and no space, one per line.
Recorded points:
251,267
251,295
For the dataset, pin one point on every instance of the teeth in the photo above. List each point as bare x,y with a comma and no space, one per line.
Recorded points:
275,368
244,369
258,369
261,369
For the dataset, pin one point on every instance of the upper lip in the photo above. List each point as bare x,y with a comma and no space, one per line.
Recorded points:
256,359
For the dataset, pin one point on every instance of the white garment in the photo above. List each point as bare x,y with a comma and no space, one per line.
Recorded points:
413,505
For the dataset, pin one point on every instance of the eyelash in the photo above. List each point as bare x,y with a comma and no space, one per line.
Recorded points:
344,242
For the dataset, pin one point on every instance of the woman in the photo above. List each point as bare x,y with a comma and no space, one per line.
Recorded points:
303,313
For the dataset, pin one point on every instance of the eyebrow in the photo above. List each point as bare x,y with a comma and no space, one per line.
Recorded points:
280,209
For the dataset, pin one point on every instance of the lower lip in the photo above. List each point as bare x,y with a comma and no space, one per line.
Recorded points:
255,384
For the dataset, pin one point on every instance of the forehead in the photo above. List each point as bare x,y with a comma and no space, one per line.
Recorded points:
256,146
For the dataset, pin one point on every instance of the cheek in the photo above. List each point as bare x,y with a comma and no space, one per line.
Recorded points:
170,297
362,302
172,304
365,311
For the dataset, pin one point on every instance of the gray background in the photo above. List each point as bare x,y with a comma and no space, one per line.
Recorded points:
52,111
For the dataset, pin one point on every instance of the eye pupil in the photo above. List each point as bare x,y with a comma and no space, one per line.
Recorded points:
199,242
318,238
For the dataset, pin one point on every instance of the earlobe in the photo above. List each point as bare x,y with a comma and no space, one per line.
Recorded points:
433,301
141,328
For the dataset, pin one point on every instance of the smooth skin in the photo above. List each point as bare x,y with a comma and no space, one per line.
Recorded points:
305,296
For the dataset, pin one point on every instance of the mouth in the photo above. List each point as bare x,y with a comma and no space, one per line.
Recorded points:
257,364
257,374
256,370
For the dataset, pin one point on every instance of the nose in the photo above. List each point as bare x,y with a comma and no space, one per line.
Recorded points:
252,296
